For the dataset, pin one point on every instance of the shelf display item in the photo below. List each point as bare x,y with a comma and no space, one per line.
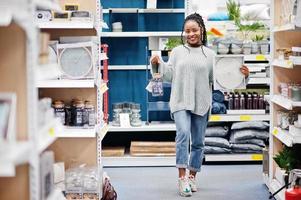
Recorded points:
81,16
151,4
77,112
8,103
89,114
227,74
117,27
47,174
61,16
135,118
45,111
71,7
117,109
43,15
76,60
59,110
52,51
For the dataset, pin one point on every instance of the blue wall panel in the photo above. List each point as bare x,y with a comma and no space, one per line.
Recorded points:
126,51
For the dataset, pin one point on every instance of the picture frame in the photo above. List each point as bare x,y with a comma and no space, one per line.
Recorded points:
8,104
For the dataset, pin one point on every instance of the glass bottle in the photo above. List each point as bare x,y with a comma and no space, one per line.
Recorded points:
249,102
242,102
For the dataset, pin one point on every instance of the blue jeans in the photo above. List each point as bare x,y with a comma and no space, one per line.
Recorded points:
189,124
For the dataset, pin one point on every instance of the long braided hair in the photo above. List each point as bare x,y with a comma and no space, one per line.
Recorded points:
198,19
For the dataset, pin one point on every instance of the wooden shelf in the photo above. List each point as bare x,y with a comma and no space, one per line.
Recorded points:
259,81
287,27
66,25
283,63
77,132
289,138
65,84
285,102
47,134
170,161
232,157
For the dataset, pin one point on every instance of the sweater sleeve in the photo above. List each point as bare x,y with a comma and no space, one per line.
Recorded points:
165,69
211,60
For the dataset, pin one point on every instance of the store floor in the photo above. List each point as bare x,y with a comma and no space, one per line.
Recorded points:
216,182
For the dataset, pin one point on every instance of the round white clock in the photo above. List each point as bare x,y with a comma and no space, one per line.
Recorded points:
75,63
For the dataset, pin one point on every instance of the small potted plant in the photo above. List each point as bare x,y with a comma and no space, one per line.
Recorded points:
286,161
172,43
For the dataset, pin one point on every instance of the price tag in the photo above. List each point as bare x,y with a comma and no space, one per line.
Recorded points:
103,88
51,132
275,131
245,118
215,118
257,157
104,130
260,57
124,120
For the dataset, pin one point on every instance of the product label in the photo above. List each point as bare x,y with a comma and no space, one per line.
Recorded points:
257,157
260,57
215,118
245,118
275,131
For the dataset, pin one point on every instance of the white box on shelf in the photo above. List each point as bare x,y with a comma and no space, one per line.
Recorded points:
151,4
294,131
59,172
162,43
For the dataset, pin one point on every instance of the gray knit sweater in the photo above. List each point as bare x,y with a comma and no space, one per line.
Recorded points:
190,72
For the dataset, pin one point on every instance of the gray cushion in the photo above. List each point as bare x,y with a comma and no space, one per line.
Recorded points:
217,142
250,125
217,131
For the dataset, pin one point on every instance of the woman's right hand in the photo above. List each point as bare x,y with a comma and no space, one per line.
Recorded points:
155,60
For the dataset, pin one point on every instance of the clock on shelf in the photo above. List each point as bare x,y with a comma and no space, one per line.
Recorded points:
76,60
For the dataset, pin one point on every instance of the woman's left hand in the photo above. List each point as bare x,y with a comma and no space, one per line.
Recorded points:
245,70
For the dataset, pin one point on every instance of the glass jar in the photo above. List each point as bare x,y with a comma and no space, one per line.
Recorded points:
77,113
68,115
89,114
135,116
59,110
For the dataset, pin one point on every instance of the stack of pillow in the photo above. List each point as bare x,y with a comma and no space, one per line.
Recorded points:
216,141
249,137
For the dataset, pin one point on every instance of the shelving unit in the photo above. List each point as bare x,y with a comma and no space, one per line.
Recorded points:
281,71
77,144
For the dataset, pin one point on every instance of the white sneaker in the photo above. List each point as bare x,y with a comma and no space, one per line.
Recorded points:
192,183
184,188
